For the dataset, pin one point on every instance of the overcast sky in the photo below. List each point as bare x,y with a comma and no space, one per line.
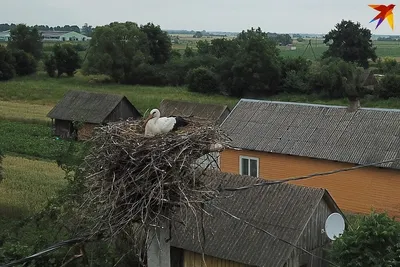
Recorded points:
283,16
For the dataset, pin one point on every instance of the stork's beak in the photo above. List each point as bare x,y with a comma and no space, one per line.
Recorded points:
148,118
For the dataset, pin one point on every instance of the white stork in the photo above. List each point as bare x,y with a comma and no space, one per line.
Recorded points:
155,125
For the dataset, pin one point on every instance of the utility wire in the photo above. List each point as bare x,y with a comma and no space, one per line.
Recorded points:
298,178
266,183
45,251
272,235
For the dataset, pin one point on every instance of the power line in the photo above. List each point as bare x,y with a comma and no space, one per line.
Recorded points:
272,235
304,177
45,251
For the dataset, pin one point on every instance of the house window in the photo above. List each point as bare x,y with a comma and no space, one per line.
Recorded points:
249,166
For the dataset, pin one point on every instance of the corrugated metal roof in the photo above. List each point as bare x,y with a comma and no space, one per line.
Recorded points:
85,106
197,111
283,210
318,131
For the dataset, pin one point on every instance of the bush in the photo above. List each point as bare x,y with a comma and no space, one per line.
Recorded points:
374,241
335,78
202,80
389,86
295,82
295,74
388,65
25,63
7,62
50,65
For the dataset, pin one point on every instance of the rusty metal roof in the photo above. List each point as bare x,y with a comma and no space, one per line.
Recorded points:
197,111
327,132
85,106
283,210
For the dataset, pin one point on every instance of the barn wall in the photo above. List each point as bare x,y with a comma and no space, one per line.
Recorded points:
312,239
86,131
354,191
192,259
123,110
62,128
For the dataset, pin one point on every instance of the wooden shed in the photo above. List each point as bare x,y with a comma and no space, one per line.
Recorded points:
79,112
195,111
254,227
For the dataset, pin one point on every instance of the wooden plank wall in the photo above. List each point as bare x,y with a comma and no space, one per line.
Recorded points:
355,191
192,259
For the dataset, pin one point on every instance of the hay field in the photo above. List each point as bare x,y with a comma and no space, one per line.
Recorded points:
27,185
17,111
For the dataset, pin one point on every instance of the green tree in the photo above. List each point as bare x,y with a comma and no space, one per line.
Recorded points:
202,80
203,47
25,63
159,43
66,60
7,62
116,50
27,39
336,78
50,65
188,52
254,68
351,42
222,47
374,241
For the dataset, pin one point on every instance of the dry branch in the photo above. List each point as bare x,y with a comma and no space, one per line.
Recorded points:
135,182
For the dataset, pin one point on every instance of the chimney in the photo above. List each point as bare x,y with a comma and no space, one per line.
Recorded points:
354,104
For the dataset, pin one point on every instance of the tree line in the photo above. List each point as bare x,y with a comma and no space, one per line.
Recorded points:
249,64
85,29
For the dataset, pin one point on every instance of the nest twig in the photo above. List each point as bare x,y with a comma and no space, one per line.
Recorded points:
135,182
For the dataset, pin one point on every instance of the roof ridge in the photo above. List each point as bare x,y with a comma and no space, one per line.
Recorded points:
313,105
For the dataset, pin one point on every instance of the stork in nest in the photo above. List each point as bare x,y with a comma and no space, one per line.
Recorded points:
155,124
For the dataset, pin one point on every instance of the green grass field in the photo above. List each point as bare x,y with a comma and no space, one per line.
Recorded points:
30,140
43,90
27,185
384,49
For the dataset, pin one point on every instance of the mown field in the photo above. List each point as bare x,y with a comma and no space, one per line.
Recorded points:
27,186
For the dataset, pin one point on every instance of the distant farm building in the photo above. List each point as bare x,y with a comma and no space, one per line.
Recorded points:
4,36
79,112
211,113
62,36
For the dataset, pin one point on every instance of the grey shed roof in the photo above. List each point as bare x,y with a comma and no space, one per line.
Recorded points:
365,136
198,111
85,106
283,210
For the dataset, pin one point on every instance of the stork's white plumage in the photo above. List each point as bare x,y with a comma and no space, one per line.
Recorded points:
156,125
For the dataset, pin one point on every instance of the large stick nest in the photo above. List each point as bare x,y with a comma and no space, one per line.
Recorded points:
136,180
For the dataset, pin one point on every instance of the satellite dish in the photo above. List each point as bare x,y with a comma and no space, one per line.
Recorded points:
334,226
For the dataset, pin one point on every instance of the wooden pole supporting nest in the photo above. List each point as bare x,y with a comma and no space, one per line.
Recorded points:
138,182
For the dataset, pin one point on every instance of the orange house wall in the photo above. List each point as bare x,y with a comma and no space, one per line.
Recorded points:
356,191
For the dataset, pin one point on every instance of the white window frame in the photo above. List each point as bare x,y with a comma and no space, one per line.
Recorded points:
249,158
